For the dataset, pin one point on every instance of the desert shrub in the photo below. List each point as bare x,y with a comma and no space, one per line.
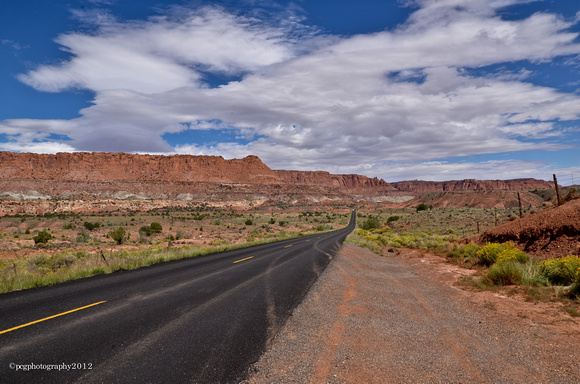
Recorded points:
42,238
489,253
219,242
506,273
119,235
68,226
575,289
422,207
356,239
370,223
146,230
83,237
512,255
464,252
532,276
249,222
561,270
392,219
91,226
45,263
156,227
572,195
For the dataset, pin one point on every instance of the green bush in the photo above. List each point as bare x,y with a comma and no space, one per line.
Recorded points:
575,289
156,227
572,195
45,263
422,207
91,226
83,237
464,252
371,223
507,273
146,230
393,218
249,222
42,238
119,235
561,270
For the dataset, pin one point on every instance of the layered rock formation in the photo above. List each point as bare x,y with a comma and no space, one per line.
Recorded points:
203,179
99,167
354,183
418,186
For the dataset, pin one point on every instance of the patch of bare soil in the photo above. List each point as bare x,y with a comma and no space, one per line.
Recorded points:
400,318
551,232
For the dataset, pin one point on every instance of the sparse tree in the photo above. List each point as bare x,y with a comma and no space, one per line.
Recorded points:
156,227
42,238
119,235
422,207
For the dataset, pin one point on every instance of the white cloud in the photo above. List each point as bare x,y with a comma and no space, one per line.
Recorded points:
364,102
161,54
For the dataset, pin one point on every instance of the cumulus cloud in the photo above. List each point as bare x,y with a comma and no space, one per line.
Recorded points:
363,103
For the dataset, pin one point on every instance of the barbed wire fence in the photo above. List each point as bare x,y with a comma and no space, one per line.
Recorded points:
568,179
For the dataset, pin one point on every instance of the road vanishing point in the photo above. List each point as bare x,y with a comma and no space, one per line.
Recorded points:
198,320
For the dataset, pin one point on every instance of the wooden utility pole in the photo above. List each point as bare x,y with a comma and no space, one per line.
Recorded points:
520,204
557,190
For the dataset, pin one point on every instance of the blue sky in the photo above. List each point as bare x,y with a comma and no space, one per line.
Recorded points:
402,89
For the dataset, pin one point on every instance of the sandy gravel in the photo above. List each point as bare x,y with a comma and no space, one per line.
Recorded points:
398,319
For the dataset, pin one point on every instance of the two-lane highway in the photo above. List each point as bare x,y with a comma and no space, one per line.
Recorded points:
198,320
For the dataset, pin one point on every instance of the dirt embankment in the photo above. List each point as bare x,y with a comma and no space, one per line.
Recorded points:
548,233
399,319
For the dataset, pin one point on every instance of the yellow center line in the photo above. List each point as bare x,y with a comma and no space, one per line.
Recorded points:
51,317
307,240
247,258
288,246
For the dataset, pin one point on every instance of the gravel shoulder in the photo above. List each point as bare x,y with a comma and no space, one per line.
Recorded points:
398,318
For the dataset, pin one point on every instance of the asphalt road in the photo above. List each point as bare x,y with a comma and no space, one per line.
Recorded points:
200,320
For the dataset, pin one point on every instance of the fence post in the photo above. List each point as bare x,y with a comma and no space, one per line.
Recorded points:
103,256
557,190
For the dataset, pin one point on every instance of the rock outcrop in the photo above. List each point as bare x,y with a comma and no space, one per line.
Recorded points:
110,167
353,183
247,182
418,186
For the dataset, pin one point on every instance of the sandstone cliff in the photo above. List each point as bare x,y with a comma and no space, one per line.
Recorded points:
208,179
108,167
418,186
356,184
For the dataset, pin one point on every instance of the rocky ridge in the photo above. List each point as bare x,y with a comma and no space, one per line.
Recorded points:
247,182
